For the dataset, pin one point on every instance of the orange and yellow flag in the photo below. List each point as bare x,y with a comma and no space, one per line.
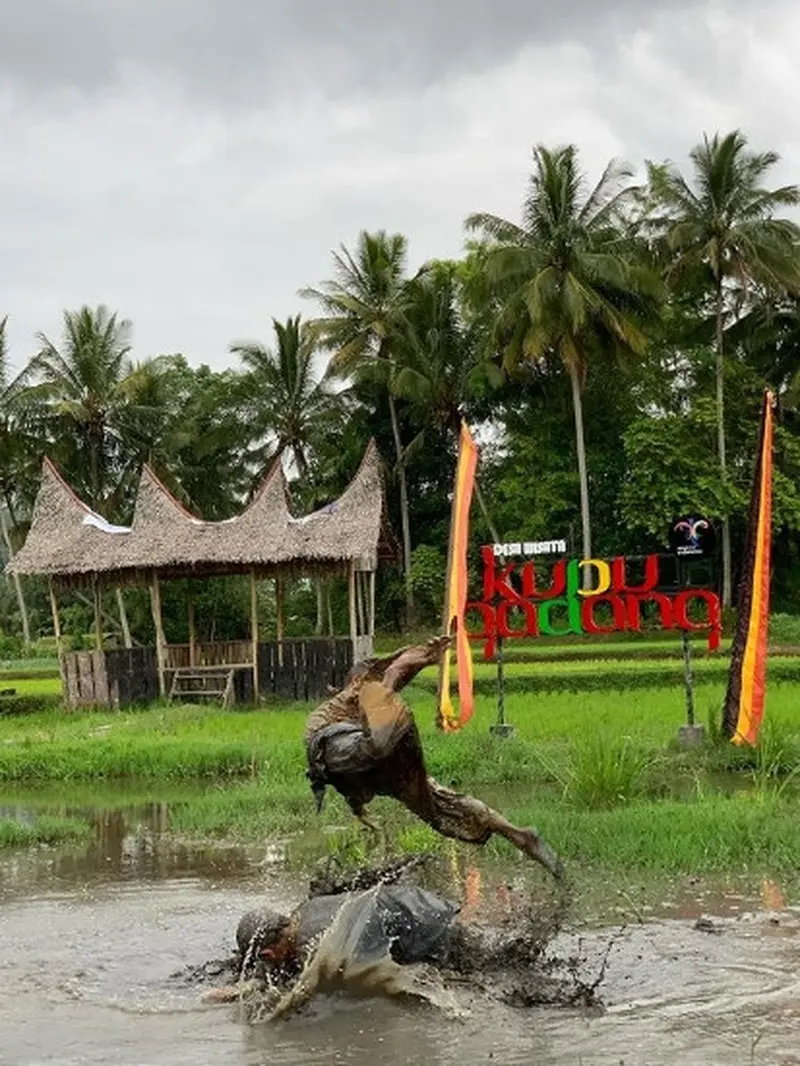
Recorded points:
456,590
744,701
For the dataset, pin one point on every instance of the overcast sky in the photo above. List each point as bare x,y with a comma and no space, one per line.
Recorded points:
192,163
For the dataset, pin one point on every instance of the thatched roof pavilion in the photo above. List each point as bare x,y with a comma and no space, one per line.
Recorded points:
72,545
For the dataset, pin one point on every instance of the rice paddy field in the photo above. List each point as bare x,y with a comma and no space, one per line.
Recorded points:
594,762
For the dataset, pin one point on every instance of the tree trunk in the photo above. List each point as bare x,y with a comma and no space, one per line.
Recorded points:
96,442
485,512
123,620
586,521
723,467
404,517
320,591
15,578
300,462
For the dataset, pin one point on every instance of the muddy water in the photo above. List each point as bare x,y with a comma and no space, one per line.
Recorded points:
90,944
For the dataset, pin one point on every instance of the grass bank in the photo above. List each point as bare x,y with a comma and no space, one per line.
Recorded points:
173,743
742,833
45,830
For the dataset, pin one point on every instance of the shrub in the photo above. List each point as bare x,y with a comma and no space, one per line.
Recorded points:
601,771
28,703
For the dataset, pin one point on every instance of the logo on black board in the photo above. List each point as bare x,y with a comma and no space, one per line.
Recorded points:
692,536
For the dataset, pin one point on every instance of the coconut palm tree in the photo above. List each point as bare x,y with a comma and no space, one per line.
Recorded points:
568,281
78,393
363,308
441,367
289,407
722,223
81,398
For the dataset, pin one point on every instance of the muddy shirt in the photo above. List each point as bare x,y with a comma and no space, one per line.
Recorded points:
343,707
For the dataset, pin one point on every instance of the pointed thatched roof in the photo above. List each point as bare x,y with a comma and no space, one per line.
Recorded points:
68,541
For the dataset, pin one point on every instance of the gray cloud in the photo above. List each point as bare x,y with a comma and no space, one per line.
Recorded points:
193,165
229,48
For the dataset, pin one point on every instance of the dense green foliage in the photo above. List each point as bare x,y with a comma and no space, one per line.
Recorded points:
610,348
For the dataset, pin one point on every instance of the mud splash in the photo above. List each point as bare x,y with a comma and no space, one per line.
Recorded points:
499,955
90,944
339,962
86,978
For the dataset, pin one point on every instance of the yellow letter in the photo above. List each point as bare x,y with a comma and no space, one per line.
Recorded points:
603,577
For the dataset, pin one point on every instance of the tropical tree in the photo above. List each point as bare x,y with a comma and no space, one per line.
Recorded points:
77,394
291,410
288,406
79,399
568,281
362,326
768,336
13,456
721,225
443,371
441,368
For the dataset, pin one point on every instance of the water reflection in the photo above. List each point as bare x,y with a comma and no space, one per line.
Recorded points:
92,936
127,843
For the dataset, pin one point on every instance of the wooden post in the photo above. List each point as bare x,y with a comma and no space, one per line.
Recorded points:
57,634
123,619
254,631
98,616
688,679
351,602
280,618
56,618
361,620
155,603
371,616
192,633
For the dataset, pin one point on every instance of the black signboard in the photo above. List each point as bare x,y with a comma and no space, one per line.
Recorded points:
692,537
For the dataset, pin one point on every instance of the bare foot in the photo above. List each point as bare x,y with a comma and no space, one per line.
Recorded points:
532,844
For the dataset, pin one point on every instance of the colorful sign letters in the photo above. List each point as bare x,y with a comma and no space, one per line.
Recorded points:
513,604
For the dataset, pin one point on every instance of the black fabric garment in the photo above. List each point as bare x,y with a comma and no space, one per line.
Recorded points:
404,921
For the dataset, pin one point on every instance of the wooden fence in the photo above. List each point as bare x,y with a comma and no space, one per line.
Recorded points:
218,653
301,670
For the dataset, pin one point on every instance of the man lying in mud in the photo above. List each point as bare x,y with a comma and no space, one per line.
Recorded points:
379,932
364,742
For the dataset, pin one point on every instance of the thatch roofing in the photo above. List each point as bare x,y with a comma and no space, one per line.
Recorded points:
71,543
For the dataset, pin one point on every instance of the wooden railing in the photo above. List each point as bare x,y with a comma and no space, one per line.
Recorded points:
217,653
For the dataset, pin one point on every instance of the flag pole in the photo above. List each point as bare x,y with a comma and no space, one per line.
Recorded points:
456,592
446,620
501,728
743,709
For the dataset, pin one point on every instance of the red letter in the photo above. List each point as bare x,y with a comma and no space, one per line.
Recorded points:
664,603
711,599
587,614
494,583
619,580
558,581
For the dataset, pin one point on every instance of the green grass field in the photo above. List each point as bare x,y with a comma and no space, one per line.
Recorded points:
598,770
33,686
